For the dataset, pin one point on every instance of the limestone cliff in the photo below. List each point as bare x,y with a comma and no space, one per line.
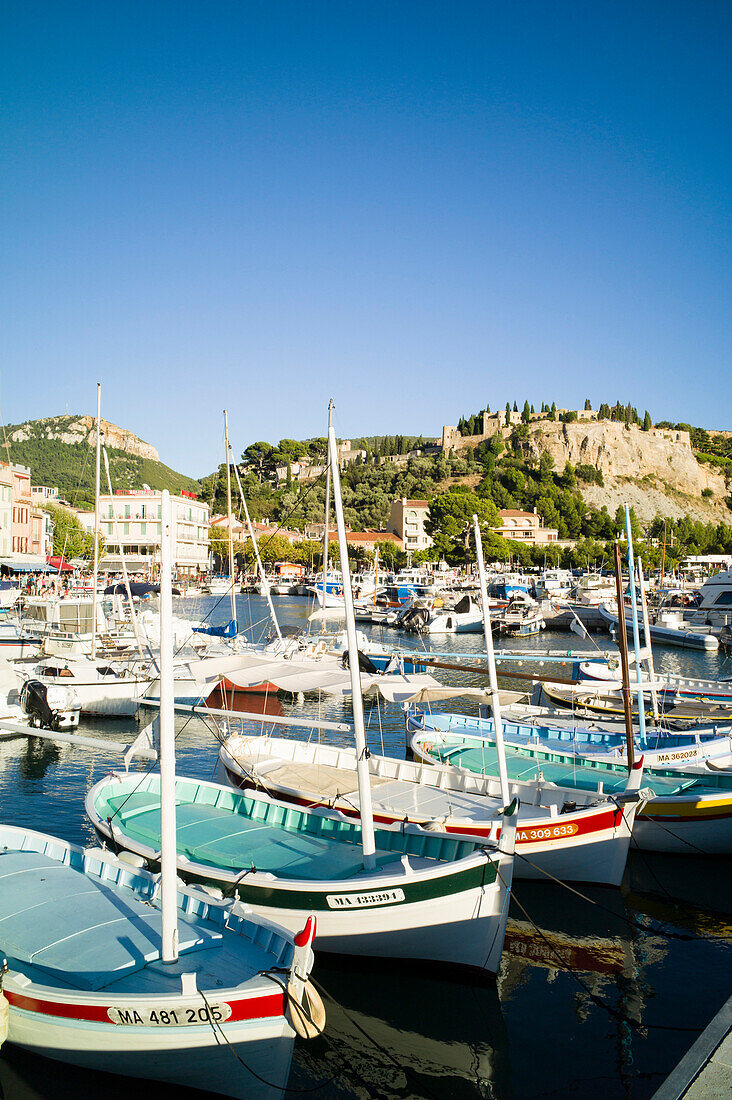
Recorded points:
654,471
82,429
618,451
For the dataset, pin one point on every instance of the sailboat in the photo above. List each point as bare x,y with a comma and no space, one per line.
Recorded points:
111,967
400,893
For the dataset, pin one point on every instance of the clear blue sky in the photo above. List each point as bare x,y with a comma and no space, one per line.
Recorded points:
414,207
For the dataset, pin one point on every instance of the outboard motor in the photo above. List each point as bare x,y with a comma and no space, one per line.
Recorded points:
416,619
365,663
49,707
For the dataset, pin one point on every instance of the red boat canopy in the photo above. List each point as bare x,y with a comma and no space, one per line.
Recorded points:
58,561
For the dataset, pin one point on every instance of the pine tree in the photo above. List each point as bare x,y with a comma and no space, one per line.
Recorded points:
647,421
526,413
532,408
515,407
508,412
588,405
553,410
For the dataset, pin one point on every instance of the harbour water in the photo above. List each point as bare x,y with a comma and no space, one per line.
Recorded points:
600,993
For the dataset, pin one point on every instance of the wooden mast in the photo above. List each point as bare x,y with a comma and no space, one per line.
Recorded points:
230,524
623,647
362,766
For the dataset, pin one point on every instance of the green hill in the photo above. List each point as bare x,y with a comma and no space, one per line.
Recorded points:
70,465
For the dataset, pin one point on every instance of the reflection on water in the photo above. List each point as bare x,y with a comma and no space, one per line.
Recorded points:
577,966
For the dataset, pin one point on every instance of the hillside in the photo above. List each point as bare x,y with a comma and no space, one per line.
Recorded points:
655,470
60,452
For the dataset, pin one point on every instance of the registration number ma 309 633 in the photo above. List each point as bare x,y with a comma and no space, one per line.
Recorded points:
547,832
168,1016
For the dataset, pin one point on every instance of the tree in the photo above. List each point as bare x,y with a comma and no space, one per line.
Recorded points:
69,537
450,520
647,421
546,466
588,404
390,556
553,411
508,412
515,407
526,413
261,457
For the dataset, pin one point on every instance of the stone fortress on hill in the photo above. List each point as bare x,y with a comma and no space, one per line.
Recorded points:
503,422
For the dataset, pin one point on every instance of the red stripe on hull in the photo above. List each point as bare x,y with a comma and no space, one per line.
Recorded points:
582,827
249,1008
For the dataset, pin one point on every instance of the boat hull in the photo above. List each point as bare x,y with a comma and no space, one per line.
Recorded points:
191,1056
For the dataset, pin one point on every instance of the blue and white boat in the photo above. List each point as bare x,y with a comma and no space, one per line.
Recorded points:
81,932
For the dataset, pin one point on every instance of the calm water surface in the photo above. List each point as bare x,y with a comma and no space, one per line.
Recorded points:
599,995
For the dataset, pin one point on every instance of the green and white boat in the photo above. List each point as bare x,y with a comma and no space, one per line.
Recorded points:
428,896
398,892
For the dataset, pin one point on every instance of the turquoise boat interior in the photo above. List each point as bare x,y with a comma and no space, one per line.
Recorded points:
224,829
72,920
479,756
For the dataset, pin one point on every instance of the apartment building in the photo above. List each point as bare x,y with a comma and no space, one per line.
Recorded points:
525,527
129,523
406,520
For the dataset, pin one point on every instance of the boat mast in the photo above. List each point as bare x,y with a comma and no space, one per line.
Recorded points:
230,521
125,574
362,767
97,479
623,647
260,567
647,637
636,632
327,512
168,842
492,677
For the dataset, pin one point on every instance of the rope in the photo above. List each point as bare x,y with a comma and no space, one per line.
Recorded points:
218,1030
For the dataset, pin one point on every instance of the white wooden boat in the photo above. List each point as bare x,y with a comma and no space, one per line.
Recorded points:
576,836
429,898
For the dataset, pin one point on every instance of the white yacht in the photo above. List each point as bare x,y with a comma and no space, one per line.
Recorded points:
715,607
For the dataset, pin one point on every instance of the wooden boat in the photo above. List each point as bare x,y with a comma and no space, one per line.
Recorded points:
431,898
686,814
81,932
575,836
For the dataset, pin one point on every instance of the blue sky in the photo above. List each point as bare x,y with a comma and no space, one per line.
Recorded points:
415,207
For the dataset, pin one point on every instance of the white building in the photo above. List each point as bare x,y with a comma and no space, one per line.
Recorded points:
130,520
406,520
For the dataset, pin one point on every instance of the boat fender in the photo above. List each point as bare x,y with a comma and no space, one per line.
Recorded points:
306,1014
132,860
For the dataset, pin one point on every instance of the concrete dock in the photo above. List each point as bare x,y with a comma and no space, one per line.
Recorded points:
705,1071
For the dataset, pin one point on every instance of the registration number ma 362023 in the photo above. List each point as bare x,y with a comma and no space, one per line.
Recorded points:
546,832
166,1016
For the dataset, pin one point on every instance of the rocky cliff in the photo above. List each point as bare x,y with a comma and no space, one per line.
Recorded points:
82,429
625,452
655,471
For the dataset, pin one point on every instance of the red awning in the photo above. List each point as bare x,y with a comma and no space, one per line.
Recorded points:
59,562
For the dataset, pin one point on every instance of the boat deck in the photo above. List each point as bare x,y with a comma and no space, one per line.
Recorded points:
72,930
215,836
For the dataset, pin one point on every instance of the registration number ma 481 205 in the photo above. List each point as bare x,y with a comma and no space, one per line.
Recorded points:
167,1016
